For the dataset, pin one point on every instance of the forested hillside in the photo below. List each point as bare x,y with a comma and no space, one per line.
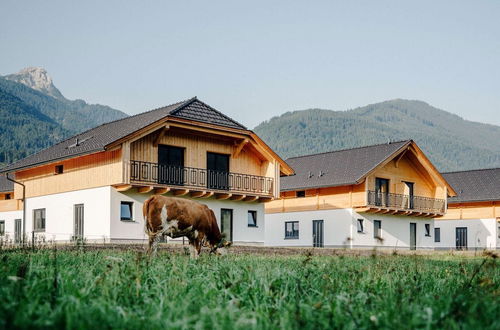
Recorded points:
451,142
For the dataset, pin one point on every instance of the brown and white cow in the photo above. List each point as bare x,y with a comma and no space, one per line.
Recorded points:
177,217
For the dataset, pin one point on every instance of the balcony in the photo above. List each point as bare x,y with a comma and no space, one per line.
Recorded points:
197,180
404,204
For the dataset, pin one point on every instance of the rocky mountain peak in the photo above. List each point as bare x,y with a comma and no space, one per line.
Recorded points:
38,79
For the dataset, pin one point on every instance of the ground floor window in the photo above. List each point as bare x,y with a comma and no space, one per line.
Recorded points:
377,228
360,226
252,218
427,229
39,220
126,211
292,229
437,235
2,227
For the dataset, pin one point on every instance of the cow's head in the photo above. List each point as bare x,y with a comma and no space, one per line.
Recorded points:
220,248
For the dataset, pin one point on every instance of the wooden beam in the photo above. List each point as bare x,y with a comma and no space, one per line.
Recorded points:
198,194
223,195
239,147
144,189
161,191
265,199
123,187
160,135
399,158
208,194
180,192
237,197
250,198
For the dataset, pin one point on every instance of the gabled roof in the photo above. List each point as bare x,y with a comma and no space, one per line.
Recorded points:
6,185
475,185
338,168
96,139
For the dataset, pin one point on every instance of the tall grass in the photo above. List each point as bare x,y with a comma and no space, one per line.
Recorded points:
126,290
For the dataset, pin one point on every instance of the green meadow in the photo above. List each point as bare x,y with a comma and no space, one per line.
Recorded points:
102,289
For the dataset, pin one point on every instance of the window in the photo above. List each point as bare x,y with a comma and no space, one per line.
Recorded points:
301,193
427,230
360,226
126,211
39,220
2,227
292,229
59,169
252,218
377,228
8,196
437,234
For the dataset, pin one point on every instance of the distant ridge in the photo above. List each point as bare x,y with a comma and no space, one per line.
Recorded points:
451,142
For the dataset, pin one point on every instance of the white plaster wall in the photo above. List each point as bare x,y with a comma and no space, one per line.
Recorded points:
242,234
340,229
9,218
481,233
59,217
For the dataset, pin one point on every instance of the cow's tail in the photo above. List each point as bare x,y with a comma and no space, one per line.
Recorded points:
145,212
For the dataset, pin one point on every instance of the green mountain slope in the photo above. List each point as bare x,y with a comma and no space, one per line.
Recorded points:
24,129
451,142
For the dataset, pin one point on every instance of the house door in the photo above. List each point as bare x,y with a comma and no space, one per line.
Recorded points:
226,224
461,238
318,233
381,191
217,171
78,222
17,231
413,236
170,165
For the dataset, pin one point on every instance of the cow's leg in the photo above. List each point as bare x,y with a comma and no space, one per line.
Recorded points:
197,244
153,243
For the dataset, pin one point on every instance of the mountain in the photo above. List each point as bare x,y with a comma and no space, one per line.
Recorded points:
451,142
35,114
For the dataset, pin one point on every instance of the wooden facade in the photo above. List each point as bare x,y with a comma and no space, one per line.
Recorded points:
472,210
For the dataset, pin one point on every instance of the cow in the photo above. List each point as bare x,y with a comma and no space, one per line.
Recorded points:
177,217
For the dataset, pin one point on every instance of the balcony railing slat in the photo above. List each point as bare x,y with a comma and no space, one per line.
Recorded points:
190,177
406,202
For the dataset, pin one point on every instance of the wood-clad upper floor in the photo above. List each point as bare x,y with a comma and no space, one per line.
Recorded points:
472,210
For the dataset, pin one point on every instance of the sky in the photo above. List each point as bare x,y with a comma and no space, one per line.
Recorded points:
254,60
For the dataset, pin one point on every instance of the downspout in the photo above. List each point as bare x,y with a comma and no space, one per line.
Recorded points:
24,205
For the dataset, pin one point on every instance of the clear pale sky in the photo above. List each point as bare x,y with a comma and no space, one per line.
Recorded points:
257,59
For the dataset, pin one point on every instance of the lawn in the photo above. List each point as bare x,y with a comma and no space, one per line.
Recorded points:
125,290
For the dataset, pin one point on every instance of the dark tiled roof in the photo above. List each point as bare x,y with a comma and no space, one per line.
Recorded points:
96,139
6,185
475,185
337,168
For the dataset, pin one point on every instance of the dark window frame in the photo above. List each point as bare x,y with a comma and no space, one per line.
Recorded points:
427,229
437,234
295,233
2,227
254,213
8,196
360,224
131,208
39,227
59,169
300,193
377,231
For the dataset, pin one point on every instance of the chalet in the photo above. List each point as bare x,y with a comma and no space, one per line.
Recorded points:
377,196
473,217
92,185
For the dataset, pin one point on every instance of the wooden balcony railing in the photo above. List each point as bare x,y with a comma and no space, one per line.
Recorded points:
406,202
199,178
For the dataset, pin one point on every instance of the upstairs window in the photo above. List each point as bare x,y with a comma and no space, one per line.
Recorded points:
437,235
301,193
2,227
126,211
292,229
427,230
39,220
8,196
360,226
252,218
59,169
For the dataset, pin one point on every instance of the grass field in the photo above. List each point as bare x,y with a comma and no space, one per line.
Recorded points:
124,289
